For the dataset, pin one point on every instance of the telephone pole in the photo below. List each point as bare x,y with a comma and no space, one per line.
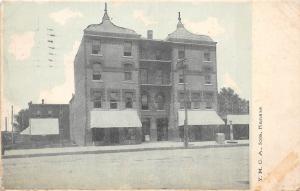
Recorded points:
12,124
185,127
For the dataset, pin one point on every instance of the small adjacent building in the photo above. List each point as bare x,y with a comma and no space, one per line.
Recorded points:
48,125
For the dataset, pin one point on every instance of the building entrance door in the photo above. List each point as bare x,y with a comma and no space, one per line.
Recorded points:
114,135
146,129
162,129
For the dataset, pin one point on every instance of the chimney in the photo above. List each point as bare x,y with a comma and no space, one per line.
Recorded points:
149,34
43,101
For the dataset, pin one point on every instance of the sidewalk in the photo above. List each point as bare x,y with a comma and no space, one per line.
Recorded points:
166,145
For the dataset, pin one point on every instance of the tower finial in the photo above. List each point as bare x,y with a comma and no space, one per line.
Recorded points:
179,24
105,16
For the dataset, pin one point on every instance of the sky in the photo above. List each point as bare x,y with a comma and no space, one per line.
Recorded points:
30,76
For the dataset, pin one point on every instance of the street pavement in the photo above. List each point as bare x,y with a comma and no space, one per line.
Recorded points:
201,168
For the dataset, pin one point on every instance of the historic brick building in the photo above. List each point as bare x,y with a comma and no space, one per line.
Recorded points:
129,89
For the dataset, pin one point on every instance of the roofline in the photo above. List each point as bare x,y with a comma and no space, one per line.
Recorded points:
202,43
113,37
49,104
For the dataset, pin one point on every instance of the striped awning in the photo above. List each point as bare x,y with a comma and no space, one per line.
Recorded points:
114,118
200,117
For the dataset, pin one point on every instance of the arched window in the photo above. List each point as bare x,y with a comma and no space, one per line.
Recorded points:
145,101
160,101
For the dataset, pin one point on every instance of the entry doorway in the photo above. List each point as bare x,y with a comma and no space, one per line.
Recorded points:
114,136
162,129
146,129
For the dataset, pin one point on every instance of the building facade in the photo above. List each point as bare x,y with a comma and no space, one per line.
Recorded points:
116,69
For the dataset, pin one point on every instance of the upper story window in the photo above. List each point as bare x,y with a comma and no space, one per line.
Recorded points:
128,99
127,49
127,72
114,97
196,98
96,47
159,77
181,79
160,101
181,54
97,99
97,71
207,56
207,69
97,75
145,101
209,98
144,75
181,99
207,79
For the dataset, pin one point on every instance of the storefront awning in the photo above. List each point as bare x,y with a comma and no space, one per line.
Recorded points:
238,119
200,117
115,118
42,126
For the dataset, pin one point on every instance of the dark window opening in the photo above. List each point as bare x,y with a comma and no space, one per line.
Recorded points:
181,54
181,79
145,104
129,100
207,79
208,105
97,102
97,76
160,101
127,48
144,76
196,105
207,56
128,76
114,100
96,47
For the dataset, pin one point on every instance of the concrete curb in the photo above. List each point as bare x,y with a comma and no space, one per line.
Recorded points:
121,150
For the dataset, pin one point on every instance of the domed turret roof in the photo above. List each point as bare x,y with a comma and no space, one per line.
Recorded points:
181,34
107,28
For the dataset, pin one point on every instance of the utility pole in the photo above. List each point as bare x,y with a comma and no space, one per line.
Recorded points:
12,124
185,127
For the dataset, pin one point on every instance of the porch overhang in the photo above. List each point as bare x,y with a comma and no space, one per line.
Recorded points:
238,119
200,117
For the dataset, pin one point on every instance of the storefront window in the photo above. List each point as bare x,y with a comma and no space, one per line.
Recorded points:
130,134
